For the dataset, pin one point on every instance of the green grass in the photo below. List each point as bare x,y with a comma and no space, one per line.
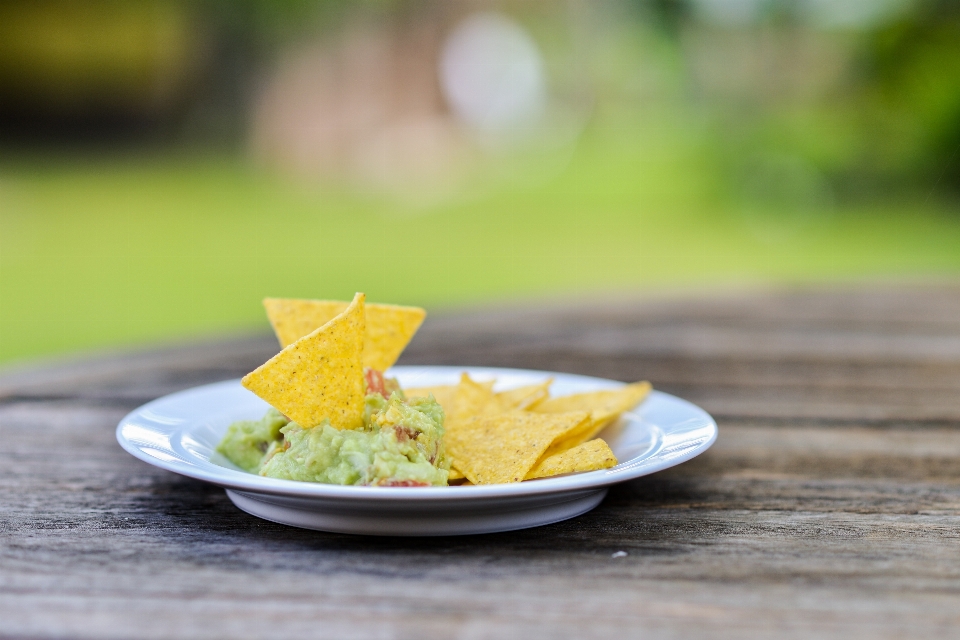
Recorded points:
109,252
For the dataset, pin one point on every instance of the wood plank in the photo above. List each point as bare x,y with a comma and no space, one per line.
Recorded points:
829,506
781,510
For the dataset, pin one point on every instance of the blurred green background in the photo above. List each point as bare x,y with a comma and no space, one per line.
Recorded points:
165,165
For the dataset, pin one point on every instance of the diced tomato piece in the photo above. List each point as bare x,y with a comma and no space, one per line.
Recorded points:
403,483
375,382
405,433
390,385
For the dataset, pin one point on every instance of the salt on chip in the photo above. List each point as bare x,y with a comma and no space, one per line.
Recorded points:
320,375
389,327
503,448
589,456
604,408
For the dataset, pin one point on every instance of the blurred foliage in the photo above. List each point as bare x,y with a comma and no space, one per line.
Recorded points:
108,252
888,118
177,70
64,64
912,88
888,121
708,152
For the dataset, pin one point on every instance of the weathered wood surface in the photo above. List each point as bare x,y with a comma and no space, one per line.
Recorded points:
829,507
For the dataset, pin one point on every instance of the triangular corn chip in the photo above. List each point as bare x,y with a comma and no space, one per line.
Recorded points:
604,408
445,395
586,431
589,456
477,398
389,327
599,420
611,401
389,330
470,398
320,376
474,396
503,448
524,398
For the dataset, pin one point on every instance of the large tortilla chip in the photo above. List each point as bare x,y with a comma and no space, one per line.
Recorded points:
389,327
503,448
320,376
589,456
389,330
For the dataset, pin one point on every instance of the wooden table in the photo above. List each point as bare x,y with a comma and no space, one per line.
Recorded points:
829,506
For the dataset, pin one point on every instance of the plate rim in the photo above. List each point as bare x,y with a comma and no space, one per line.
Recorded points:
248,482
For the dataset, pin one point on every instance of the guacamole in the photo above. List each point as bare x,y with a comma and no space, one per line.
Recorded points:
248,441
399,444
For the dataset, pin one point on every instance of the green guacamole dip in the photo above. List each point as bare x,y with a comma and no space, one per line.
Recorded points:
400,444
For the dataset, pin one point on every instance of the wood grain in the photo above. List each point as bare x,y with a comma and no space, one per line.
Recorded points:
829,506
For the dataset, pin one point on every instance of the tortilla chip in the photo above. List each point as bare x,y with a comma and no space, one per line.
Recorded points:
389,327
573,438
477,398
521,398
503,448
443,394
612,401
604,407
470,398
589,456
320,376
389,330
587,431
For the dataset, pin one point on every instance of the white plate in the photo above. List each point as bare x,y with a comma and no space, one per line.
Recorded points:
180,432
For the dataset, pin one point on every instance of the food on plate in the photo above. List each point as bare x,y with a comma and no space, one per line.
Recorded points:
335,418
247,441
604,408
520,398
471,398
503,448
399,444
389,327
444,394
320,376
588,456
